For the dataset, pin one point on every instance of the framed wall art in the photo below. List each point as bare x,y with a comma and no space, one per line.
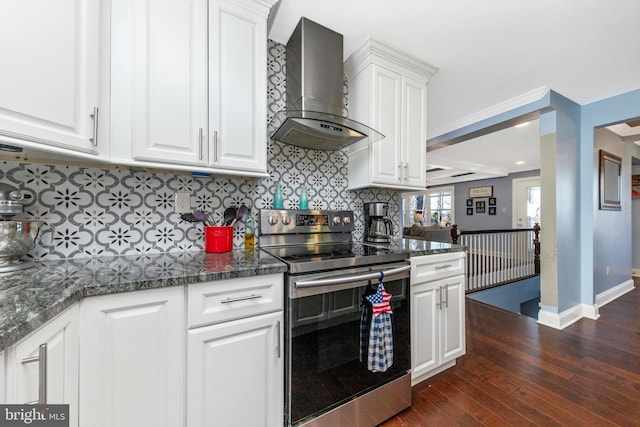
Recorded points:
469,202
480,206
635,187
610,167
492,201
492,210
469,211
476,192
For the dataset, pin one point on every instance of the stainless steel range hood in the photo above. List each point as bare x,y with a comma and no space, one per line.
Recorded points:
315,116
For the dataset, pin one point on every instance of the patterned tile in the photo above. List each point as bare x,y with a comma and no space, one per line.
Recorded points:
91,212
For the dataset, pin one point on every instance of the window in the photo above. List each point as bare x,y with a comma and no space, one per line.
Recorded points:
433,206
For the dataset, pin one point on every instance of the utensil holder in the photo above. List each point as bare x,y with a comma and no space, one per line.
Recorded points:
218,239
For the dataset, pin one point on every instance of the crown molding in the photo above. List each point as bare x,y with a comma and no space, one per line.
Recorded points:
376,52
494,110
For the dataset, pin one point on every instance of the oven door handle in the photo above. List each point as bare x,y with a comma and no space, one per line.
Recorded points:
347,279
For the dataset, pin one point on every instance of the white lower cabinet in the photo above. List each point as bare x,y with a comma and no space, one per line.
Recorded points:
235,368
132,363
437,313
22,376
235,373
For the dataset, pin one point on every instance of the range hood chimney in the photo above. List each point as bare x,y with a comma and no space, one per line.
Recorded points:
315,117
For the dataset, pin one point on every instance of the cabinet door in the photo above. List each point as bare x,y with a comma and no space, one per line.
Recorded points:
414,128
50,71
424,328
159,80
132,359
235,373
386,160
238,85
61,337
452,328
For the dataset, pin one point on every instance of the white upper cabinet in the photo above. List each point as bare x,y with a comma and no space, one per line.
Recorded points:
189,88
388,91
159,80
238,85
49,78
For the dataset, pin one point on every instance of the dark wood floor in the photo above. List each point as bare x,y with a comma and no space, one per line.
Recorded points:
517,373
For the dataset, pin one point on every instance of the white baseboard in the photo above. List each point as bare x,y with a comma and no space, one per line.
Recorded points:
609,295
577,312
560,320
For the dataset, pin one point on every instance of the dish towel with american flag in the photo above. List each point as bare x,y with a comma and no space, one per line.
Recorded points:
380,353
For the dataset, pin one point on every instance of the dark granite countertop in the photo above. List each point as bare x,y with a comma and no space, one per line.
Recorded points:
31,297
417,247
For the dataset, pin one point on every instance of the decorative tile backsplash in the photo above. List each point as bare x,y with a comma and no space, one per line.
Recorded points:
100,212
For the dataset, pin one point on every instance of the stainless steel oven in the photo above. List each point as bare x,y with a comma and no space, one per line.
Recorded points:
330,379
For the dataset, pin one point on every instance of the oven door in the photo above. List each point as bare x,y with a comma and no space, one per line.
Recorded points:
328,332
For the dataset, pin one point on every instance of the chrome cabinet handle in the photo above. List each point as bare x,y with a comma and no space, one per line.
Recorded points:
94,116
442,267
400,172
41,358
278,338
406,172
439,303
245,298
215,145
200,142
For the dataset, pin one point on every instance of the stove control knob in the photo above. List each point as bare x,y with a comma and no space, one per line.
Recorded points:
286,220
346,220
336,220
273,220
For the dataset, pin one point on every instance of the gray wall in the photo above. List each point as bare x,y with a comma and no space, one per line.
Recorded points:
502,191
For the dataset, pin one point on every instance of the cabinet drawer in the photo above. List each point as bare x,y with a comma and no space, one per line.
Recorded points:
433,267
231,299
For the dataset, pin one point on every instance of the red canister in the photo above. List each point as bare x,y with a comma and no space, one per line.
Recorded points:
218,239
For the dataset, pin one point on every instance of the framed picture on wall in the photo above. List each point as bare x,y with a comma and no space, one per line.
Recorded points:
492,201
635,187
469,211
480,206
492,210
469,202
481,191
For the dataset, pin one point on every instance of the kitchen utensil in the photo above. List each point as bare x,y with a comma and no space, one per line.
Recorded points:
189,217
211,218
229,215
201,217
241,212
16,239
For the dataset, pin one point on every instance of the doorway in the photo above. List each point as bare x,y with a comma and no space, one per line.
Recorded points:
526,202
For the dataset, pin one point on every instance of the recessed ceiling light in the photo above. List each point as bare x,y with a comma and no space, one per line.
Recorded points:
521,162
521,125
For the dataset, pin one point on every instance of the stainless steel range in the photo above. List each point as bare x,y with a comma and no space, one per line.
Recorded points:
334,373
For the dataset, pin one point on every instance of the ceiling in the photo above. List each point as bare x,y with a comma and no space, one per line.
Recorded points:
488,53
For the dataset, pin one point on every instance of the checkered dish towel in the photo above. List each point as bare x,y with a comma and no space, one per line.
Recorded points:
380,357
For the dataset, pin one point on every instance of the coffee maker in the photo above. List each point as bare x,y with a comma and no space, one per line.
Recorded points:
378,225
